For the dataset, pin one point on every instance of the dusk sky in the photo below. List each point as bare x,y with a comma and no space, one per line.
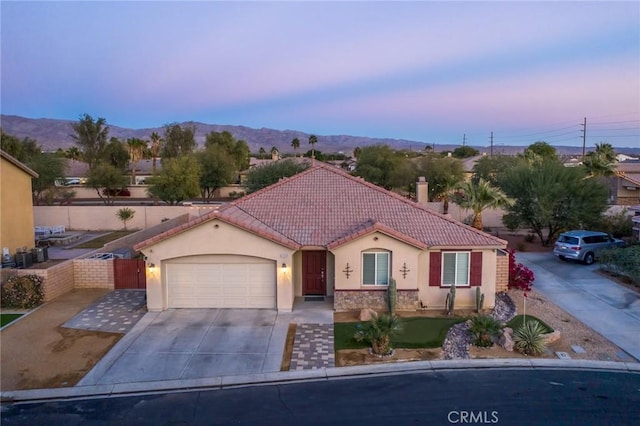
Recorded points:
423,71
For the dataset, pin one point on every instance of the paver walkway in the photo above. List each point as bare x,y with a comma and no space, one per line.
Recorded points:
313,347
117,312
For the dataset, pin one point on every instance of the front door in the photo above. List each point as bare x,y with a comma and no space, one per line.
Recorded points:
314,275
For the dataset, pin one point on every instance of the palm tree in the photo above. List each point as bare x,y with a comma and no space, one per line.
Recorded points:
295,143
155,148
606,151
262,152
125,214
597,166
313,140
136,148
356,151
73,153
478,196
444,191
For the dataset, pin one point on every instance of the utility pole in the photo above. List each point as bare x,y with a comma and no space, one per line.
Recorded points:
491,152
464,139
584,137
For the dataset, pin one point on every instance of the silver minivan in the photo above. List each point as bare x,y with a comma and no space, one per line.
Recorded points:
584,245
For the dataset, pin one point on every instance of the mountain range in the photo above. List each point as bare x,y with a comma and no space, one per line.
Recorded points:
52,134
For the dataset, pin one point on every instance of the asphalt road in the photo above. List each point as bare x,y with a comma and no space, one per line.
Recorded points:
487,396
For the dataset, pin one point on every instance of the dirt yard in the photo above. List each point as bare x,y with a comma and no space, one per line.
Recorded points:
38,353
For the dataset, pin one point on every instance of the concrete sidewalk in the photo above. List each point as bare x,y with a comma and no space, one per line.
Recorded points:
605,306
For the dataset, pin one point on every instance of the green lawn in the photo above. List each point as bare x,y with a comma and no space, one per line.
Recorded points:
417,332
99,242
516,323
7,318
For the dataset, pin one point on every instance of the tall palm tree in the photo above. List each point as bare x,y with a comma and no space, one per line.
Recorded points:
598,166
479,196
295,143
155,148
313,140
136,148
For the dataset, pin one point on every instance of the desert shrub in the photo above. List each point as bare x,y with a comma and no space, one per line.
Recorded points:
483,328
529,339
617,224
26,291
511,221
622,261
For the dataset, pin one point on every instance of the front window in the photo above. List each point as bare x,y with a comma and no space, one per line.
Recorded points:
455,268
375,268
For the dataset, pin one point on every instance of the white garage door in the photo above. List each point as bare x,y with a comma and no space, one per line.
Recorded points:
221,285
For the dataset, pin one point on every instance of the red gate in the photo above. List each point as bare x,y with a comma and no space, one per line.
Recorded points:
129,274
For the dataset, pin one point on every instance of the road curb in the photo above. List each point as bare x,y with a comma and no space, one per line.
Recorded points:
222,382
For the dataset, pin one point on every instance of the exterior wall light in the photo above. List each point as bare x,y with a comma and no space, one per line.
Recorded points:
152,267
284,267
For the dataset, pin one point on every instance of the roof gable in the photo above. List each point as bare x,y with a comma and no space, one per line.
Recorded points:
18,164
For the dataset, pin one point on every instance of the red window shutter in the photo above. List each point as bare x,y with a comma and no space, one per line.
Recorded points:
435,266
476,268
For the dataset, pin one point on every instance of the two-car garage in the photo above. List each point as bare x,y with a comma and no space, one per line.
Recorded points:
220,281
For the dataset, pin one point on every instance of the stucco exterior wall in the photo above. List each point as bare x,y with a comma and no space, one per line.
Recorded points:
351,253
16,207
435,297
216,237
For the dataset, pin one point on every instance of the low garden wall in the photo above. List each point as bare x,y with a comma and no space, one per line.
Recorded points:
349,300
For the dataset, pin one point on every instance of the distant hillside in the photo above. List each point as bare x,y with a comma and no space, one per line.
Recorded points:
52,134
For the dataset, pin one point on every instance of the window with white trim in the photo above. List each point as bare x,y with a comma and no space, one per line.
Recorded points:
455,268
375,268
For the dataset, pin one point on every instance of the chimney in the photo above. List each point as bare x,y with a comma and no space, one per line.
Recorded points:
422,191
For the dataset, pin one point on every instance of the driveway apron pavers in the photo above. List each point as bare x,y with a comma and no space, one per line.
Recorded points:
116,312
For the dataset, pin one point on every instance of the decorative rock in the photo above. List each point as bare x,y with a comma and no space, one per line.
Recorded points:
505,308
506,340
367,314
550,338
456,344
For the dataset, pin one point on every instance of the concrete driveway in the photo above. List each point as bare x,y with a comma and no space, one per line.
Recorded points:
607,307
193,344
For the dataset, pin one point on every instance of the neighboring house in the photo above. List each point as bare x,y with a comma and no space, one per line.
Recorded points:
16,204
626,184
321,233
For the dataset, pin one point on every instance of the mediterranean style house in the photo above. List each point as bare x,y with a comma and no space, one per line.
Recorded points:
16,204
322,233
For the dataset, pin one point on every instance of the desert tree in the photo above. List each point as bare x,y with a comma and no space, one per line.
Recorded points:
91,136
108,181
550,198
178,140
178,180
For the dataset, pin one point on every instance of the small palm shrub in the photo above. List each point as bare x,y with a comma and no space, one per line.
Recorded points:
378,333
483,328
125,214
26,291
529,339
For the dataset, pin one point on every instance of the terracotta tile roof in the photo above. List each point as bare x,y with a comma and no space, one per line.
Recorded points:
326,207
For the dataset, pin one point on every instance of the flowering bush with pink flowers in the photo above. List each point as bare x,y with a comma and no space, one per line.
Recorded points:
520,277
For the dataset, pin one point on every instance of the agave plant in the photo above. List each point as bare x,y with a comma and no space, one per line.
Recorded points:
378,333
529,338
483,328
